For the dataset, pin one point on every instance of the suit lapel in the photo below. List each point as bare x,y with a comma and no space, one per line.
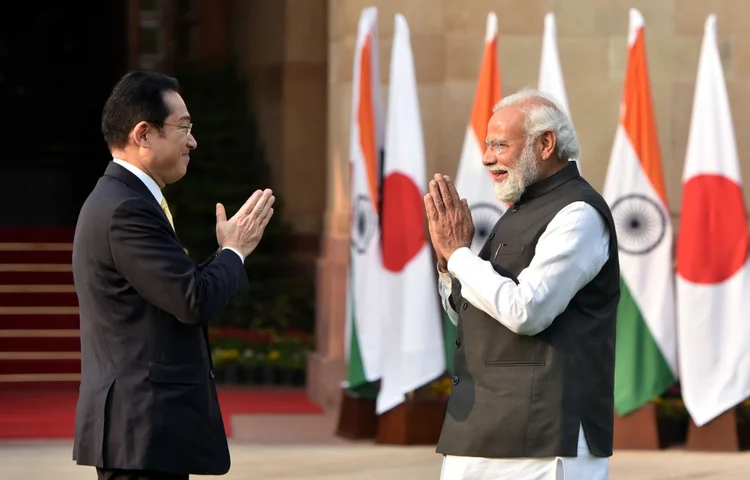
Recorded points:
122,174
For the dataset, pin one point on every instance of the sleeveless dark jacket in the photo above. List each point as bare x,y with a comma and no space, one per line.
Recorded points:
527,396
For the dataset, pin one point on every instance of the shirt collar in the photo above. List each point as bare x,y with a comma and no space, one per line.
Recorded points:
143,177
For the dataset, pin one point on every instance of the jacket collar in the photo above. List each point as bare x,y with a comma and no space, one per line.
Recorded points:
546,185
121,173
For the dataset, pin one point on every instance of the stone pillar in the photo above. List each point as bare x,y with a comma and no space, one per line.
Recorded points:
326,366
281,49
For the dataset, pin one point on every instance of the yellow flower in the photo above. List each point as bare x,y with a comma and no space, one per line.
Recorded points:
274,354
227,354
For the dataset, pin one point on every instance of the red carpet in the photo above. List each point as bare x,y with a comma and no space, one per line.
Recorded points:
44,415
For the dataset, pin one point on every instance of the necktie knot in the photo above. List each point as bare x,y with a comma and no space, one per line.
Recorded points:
165,209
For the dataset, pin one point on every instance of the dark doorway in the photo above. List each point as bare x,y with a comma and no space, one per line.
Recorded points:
58,62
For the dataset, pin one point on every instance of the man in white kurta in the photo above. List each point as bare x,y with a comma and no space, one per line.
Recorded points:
570,252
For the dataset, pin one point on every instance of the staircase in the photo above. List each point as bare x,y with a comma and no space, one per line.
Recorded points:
39,338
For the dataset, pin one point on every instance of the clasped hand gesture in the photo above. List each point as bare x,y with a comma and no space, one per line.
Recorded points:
449,218
244,230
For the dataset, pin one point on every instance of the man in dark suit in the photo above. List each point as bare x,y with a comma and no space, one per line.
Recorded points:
147,406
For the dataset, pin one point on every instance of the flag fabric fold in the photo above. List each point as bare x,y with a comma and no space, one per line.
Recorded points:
713,276
646,352
364,297
413,354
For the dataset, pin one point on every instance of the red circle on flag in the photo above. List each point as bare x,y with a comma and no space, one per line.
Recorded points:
403,221
713,240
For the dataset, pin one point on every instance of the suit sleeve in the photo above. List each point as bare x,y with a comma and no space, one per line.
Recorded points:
147,254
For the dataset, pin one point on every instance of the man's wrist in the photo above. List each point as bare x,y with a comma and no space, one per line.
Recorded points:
449,255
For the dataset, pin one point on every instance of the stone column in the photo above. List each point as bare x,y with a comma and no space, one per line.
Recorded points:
326,367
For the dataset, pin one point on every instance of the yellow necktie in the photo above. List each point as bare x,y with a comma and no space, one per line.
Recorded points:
165,208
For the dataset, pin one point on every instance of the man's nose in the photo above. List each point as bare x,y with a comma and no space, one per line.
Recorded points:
192,142
489,157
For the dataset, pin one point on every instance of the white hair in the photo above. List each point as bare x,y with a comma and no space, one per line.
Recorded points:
543,113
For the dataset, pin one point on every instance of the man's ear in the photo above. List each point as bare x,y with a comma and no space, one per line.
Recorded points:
141,133
548,141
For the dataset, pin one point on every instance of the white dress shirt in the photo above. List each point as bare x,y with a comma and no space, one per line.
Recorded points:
153,187
569,254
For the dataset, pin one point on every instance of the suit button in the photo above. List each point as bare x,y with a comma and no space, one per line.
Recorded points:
458,343
464,306
211,373
515,208
491,236
455,379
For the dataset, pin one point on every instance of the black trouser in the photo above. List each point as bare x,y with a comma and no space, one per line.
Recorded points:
109,474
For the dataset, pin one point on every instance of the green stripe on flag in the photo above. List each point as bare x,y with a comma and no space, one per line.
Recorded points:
641,373
358,383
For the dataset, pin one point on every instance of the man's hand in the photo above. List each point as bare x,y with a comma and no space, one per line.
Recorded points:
244,230
449,218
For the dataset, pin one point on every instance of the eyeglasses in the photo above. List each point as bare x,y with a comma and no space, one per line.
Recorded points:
499,146
188,128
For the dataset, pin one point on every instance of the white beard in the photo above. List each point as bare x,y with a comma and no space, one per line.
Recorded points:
526,171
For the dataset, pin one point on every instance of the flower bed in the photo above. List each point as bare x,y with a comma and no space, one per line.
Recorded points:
260,357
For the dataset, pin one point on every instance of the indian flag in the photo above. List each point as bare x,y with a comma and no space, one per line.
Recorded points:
472,180
365,300
646,355
414,347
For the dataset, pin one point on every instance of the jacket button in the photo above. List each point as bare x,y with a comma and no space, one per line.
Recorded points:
457,343
515,208
464,306
491,236
455,379
211,373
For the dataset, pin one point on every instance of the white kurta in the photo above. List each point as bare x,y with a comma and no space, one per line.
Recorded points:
569,254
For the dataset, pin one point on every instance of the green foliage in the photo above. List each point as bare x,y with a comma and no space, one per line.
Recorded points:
227,167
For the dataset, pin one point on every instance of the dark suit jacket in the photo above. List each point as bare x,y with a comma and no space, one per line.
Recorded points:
147,398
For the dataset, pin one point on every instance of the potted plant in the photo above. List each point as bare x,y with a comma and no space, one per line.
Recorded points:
225,361
291,363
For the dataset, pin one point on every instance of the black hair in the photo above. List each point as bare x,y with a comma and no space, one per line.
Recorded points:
137,97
